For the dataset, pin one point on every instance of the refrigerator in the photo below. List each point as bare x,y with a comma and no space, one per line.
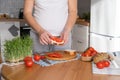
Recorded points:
105,25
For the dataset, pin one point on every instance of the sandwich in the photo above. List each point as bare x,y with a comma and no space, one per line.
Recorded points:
56,40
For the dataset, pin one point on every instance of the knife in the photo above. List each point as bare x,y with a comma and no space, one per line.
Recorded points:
46,61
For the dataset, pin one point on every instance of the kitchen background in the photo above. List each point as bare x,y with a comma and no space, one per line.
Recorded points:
12,7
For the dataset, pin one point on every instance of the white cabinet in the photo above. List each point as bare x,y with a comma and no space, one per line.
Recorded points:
8,31
80,37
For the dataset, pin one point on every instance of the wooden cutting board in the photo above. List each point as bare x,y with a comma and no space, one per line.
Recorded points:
65,55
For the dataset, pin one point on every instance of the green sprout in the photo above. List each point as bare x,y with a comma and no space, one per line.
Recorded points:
16,49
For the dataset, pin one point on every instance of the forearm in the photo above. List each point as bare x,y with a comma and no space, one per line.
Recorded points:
72,15
71,21
28,9
32,22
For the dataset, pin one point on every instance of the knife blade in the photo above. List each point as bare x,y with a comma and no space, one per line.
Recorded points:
46,61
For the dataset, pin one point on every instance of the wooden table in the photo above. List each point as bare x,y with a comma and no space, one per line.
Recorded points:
74,70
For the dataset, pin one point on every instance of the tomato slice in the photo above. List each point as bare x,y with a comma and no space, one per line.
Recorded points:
53,38
57,39
55,55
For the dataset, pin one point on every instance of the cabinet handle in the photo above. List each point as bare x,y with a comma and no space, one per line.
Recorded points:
79,41
13,30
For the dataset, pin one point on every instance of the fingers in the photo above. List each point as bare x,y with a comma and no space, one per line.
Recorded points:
64,37
65,40
42,42
44,38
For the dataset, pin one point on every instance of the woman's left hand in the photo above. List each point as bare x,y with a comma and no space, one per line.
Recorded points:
65,36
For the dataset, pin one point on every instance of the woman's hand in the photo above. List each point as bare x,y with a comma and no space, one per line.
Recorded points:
44,37
65,36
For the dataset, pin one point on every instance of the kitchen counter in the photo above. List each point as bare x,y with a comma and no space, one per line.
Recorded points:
78,21
74,70
7,20
82,22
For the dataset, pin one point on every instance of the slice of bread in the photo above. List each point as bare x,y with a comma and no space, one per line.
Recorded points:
57,43
71,52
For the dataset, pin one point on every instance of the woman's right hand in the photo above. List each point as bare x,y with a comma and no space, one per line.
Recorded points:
44,37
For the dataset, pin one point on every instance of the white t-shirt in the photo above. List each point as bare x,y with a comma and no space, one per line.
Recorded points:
51,15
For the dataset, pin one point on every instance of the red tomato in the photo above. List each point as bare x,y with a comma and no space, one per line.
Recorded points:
83,54
106,63
29,63
53,38
27,58
93,53
91,49
37,57
55,55
100,65
57,39
88,53
42,57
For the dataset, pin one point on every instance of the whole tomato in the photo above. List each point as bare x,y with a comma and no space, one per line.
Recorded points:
87,53
27,58
91,49
42,57
29,63
106,63
100,65
93,53
37,57
83,54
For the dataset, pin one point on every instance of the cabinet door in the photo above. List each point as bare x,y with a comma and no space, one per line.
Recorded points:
104,44
80,37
